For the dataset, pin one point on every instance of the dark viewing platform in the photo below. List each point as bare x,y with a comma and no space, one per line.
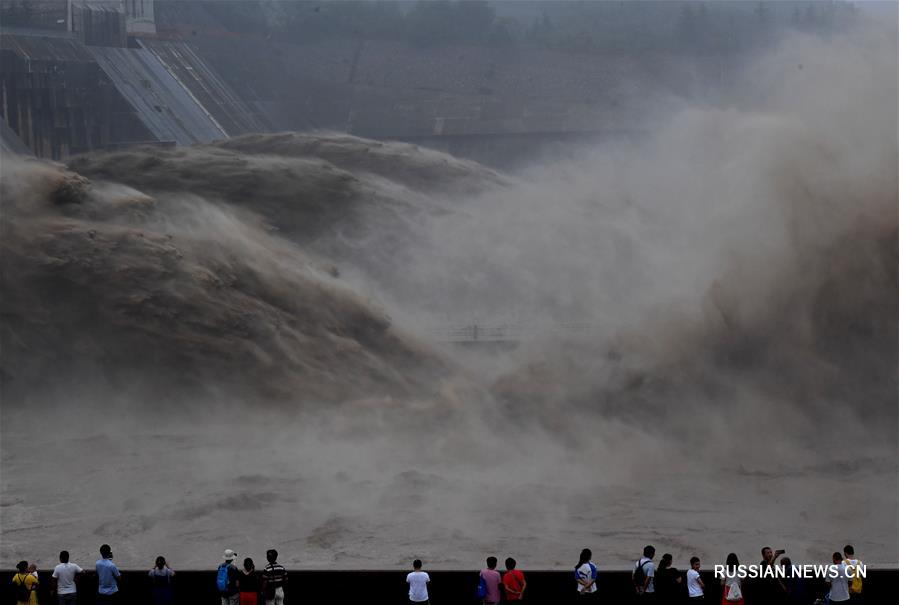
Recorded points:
336,587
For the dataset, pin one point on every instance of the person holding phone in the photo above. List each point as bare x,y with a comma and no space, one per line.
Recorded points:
768,588
109,576
161,579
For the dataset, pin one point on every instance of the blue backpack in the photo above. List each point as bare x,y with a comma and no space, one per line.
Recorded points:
482,587
221,579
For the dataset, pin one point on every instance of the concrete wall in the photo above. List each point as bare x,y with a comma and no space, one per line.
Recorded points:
99,24
165,107
139,16
511,150
62,97
51,15
206,86
58,100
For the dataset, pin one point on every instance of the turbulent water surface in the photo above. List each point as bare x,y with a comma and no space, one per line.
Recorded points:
245,344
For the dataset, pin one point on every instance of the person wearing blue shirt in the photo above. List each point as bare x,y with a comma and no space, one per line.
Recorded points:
109,575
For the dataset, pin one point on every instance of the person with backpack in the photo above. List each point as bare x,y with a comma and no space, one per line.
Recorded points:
274,579
24,585
226,579
418,581
731,585
489,583
642,575
856,581
161,578
109,575
62,582
513,581
585,574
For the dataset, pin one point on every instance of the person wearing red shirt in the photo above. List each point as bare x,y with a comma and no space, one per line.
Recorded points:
513,581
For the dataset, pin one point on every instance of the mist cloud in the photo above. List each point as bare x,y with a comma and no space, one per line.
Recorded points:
706,318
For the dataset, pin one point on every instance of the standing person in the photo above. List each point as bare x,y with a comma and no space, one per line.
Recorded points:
768,590
274,579
24,585
109,575
668,582
226,579
695,587
492,580
839,584
249,583
853,565
731,584
643,574
418,584
585,574
62,582
161,577
513,581
797,592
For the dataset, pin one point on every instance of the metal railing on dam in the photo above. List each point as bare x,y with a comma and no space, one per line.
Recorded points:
336,587
507,332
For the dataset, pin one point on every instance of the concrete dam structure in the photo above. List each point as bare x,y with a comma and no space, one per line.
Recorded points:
80,76
95,86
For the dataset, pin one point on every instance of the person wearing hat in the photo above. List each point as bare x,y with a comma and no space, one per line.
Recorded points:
227,577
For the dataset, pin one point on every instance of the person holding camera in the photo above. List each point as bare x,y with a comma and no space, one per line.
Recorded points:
769,589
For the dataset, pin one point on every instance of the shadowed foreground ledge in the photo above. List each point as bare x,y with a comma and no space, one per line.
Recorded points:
447,587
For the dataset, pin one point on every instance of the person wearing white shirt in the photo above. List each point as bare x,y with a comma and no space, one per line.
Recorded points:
854,566
695,587
839,585
643,573
63,580
585,574
418,584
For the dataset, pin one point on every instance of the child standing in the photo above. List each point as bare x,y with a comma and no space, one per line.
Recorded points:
695,587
